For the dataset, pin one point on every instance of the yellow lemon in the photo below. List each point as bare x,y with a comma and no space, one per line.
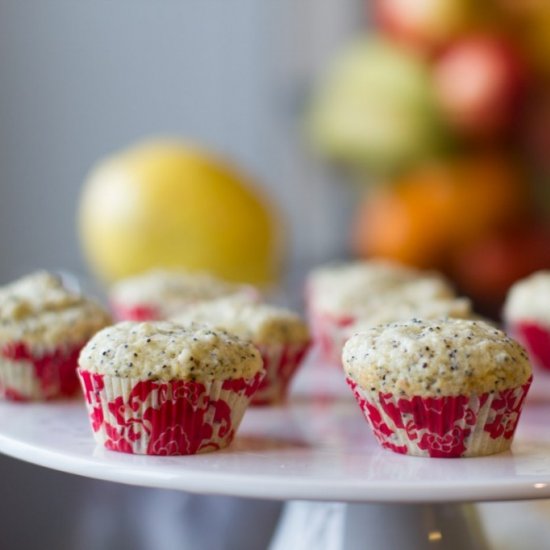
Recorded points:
167,204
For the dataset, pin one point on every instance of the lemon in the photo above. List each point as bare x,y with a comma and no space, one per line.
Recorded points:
168,204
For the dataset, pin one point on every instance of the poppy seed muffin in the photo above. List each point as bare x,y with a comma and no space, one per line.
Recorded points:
164,350
257,322
399,311
527,316
181,390
43,326
280,334
340,295
350,287
439,388
160,294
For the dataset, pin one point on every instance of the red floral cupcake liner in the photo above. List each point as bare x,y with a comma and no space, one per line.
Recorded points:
330,333
165,418
29,375
535,337
443,427
139,312
281,363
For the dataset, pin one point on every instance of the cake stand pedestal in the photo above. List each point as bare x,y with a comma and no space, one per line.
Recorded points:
342,526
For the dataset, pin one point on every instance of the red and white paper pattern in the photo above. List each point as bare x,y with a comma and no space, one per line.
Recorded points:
26,374
536,340
330,333
281,363
139,312
443,427
165,418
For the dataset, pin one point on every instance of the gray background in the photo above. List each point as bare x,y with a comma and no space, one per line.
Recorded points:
82,79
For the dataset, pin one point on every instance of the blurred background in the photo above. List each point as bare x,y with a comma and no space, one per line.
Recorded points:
82,80
419,131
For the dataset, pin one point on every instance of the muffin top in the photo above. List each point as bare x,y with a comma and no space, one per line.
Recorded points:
392,312
163,350
529,299
172,291
434,358
40,312
260,323
360,287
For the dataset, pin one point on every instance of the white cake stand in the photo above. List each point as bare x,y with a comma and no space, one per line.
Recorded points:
317,452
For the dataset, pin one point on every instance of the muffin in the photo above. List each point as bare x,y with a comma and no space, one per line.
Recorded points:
439,389
527,316
43,327
340,295
397,311
160,388
160,294
280,334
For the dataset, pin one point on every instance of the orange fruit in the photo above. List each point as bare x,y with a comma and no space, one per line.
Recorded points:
421,217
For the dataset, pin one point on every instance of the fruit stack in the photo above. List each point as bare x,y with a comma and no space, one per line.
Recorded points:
443,108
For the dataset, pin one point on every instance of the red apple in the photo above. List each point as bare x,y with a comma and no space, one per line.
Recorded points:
486,270
426,24
480,83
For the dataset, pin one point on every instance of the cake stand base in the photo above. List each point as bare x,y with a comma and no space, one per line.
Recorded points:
340,526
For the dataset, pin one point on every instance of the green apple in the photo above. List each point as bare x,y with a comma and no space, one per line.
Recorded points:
376,108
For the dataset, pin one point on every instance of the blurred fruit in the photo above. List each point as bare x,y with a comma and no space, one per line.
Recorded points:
429,213
537,132
529,21
426,24
376,108
480,82
536,36
164,204
486,269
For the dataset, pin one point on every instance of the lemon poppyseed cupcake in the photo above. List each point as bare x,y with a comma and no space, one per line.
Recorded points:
160,294
439,389
159,388
527,316
403,310
43,327
280,334
340,295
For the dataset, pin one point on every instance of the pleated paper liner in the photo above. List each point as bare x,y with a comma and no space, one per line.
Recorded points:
38,375
281,361
138,312
443,427
330,334
535,337
165,418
